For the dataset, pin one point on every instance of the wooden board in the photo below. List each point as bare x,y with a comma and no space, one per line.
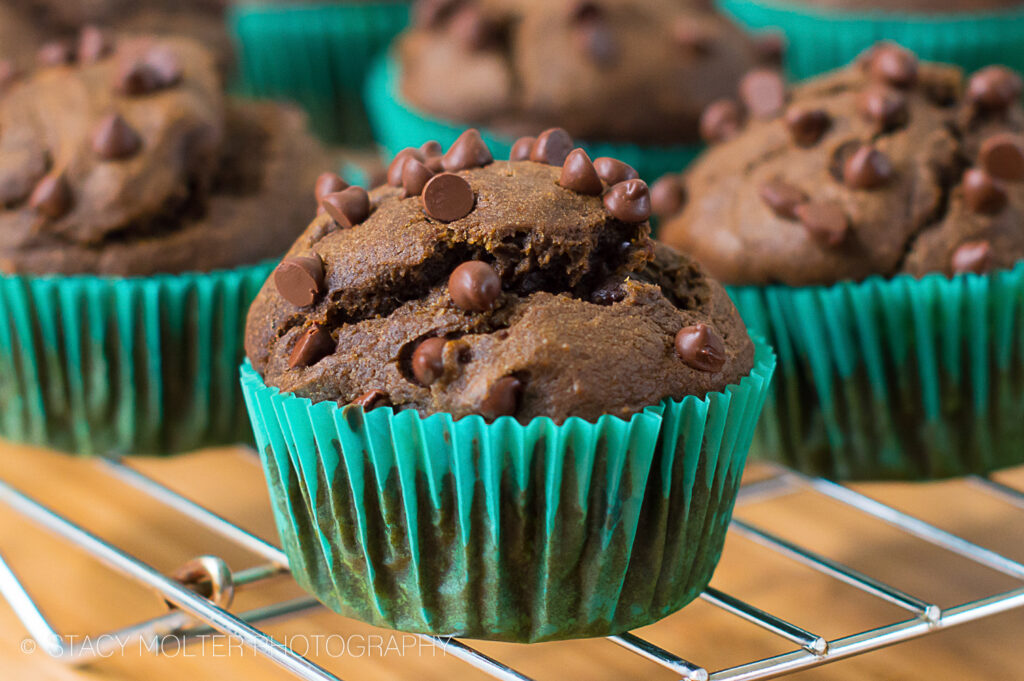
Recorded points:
82,597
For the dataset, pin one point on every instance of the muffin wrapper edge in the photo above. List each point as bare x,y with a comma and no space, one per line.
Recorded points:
505,531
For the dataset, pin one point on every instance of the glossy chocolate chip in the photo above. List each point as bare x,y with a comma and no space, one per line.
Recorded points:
428,361
763,91
579,175
114,139
994,88
372,399
629,201
55,53
468,151
328,183
502,399
165,64
867,168
300,279
782,198
397,164
93,44
349,207
825,222
552,147
448,197
51,196
806,125
613,171
415,176
700,348
894,65
884,107
312,345
474,286
770,47
1002,156
972,256
135,77
431,148
522,148
983,193
668,196
721,120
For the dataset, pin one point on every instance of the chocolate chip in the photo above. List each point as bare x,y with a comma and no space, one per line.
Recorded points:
693,37
667,196
867,168
469,151
300,279
764,92
522,148
610,293
113,139
141,75
166,64
826,222
613,171
448,197
372,399
93,45
427,361
805,125
579,175
1002,156
349,207
51,196
472,29
474,286
770,48
313,345
435,164
782,198
721,120
502,399
552,147
397,164
886,108
983,193
700,348
431,148
972,256
55,53
994,88
894,65
328,183
629,201
415,176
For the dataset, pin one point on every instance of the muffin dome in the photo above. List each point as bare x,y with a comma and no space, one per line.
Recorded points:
887,166
634,70
125,158
471,286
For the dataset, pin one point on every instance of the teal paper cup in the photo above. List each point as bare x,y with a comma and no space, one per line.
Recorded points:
398,125
316,54
507,531
116,366
898,378
819,40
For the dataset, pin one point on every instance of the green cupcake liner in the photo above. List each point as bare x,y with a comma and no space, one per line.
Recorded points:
117,366
398,125
819,40
505,531
894,379
315,54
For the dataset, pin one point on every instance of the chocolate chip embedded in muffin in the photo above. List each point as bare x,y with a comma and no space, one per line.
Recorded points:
546,298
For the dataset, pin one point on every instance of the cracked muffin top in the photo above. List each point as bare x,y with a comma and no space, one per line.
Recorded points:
632,70
125,158
884,167
472,286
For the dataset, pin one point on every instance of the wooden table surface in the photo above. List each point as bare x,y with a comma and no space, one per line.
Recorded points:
82,597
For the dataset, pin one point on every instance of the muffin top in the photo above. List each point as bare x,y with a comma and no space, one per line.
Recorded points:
470,286
125,158
633,70
883,167
903,6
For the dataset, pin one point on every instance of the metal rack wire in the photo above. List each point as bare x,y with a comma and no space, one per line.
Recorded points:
197,616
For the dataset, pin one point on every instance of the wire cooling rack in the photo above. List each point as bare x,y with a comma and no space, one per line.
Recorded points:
199,615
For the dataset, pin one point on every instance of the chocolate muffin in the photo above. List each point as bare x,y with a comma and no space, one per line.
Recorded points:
124,157
616,70
470,286
887,166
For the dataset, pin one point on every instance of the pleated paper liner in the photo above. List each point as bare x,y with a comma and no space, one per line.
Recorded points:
819,40
505,531
117,366
894,379
316,54
397,125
